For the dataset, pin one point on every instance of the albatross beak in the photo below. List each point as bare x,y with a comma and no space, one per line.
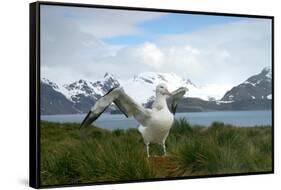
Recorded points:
167,93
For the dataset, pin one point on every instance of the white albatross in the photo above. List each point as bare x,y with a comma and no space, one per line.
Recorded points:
155,123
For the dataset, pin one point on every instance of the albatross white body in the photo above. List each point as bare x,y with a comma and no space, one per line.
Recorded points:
160,123
155,123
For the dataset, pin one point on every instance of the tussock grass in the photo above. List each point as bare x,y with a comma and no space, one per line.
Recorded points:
223,149
70,155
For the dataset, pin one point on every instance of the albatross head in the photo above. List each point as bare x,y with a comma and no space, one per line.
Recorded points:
161,89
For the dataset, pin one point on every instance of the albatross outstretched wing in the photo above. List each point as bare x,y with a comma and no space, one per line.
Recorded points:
125,103
175,98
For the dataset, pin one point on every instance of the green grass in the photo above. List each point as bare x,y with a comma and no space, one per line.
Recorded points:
70,155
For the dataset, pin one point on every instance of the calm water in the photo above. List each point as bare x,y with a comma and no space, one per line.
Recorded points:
237,118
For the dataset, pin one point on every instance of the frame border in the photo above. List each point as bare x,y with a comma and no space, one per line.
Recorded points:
34,95
34,91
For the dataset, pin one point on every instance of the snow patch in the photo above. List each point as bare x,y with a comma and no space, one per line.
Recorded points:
223,102
251,83
141,87
268,72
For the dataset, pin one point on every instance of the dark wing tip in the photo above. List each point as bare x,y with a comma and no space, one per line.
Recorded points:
92,116
85,120
174,108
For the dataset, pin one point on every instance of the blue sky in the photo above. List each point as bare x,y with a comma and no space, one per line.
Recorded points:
175,23
85,43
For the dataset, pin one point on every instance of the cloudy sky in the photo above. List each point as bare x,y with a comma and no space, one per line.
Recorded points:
86,42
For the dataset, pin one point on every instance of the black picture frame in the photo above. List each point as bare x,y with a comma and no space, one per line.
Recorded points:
34,90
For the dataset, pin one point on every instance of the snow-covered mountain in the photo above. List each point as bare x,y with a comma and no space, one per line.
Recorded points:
255,87
79,96
54,102
82,94
142,86
83,88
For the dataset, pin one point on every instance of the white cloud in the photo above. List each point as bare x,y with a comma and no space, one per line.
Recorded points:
71,44
222,54
229,53
149,54
104,23
101,23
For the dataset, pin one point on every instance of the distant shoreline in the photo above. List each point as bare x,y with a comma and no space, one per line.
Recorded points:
120,113
235,118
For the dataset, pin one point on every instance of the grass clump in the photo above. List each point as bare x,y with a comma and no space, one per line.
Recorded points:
224,149
70,155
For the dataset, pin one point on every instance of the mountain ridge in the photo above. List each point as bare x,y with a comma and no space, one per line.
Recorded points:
258,86
79,96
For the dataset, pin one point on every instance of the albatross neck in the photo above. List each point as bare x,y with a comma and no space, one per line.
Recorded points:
160,100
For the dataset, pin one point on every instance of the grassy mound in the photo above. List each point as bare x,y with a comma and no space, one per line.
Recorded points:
70,155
